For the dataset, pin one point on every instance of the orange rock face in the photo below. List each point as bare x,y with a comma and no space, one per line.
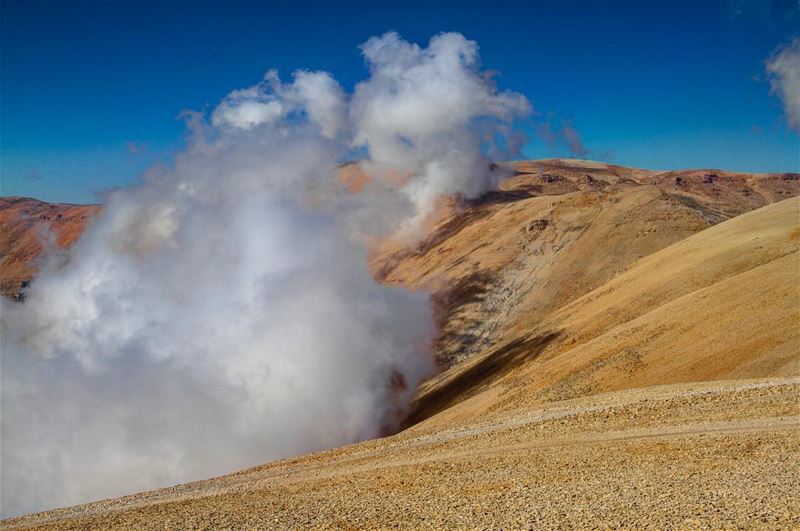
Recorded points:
26,227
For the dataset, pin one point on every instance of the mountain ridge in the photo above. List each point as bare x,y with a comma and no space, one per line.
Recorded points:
603,336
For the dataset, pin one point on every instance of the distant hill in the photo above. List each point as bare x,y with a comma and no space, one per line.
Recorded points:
25,225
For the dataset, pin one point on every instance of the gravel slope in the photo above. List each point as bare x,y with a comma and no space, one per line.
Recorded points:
577,303
705,456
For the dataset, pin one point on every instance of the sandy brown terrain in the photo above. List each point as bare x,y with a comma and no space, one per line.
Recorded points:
697,456
26,225
621,349
724,303
554,232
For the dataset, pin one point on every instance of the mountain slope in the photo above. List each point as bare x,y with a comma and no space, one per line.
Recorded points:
555,231
721,304
701,456
666,396
25,225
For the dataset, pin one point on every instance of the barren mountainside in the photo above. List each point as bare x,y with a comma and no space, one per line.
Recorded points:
620,348
555,231
509,269
26,226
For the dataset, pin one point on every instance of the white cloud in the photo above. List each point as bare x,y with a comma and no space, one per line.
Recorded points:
784,68
221,314
247,114
429,112
323,99
316,94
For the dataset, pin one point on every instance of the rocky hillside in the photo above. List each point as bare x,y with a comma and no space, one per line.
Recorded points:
26,227
716,455
620,349
555,231
721,304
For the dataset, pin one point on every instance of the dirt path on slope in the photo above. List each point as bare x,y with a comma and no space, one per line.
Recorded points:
711,455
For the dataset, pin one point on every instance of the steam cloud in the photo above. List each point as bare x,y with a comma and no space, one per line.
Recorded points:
566,134
220,314
784,67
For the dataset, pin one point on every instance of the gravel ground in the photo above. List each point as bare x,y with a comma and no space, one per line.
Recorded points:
718,455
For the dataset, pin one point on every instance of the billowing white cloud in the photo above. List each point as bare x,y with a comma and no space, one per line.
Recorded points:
432,113
324,101
220,314
784,69
315,93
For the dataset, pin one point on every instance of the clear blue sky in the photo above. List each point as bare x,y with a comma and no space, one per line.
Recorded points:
91,91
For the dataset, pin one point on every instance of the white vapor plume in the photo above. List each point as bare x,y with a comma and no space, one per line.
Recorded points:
315,93
784,67
220,314
432,114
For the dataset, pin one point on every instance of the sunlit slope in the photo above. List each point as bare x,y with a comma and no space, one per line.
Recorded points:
555,231
26,227
625,353
722,304
712,455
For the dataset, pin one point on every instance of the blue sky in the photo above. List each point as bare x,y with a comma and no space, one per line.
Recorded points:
91,92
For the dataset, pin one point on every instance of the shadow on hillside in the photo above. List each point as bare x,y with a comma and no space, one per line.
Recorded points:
472,210
501,197
455,335
477,377
466,290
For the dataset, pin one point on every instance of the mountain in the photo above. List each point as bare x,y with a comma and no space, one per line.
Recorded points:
555,231
620,348
721,304
26,226
507,268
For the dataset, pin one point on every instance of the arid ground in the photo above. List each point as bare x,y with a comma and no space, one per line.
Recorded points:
619,348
